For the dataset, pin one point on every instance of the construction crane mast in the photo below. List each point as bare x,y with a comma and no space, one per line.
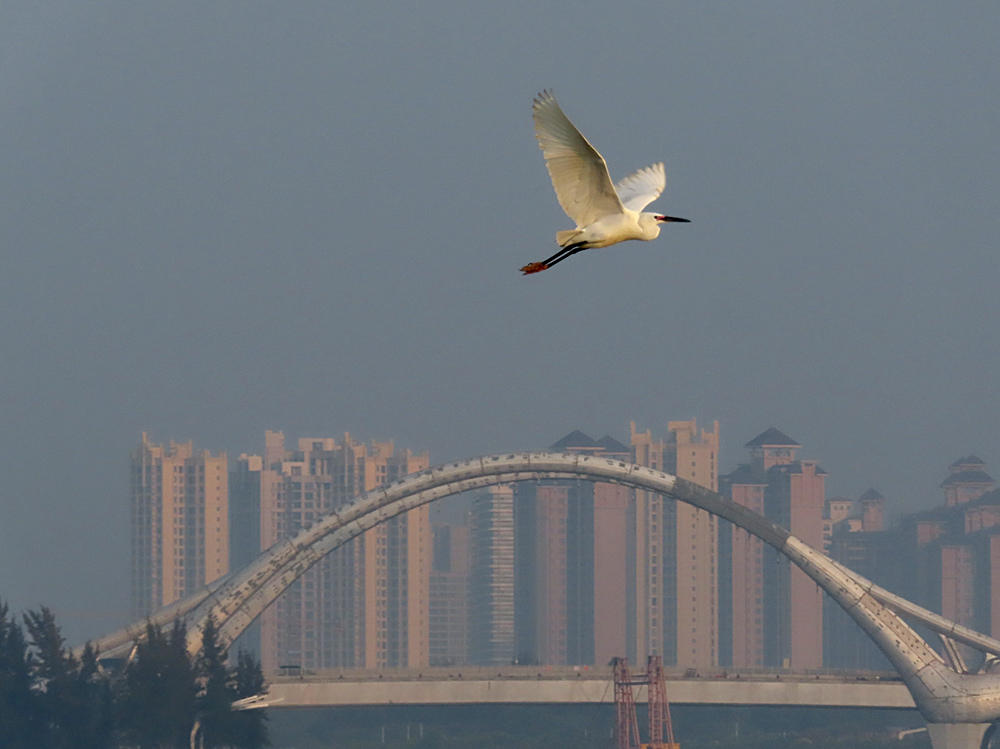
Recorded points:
661,730
660,725
626,724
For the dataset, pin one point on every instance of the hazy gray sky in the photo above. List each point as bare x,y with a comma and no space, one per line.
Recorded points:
223,217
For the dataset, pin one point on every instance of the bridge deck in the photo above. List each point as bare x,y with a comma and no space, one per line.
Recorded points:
520,685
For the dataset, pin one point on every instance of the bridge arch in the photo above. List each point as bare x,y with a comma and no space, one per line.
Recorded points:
941,694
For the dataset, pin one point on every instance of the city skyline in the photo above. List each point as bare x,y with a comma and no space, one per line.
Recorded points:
556,556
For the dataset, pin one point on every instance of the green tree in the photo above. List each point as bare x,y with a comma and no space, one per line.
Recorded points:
54,673
219,687
215,695
157,706
53,700
250,726
19,719
97,725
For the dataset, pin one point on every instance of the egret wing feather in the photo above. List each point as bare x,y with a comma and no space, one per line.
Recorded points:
642,187
579,173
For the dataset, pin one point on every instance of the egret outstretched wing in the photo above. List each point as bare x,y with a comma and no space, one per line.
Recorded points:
642,187
579,173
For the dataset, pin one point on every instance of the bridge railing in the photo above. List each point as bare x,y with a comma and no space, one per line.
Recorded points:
540,672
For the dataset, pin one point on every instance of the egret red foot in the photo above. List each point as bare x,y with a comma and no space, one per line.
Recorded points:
534,268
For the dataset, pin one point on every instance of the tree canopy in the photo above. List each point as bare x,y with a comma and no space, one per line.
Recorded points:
50,699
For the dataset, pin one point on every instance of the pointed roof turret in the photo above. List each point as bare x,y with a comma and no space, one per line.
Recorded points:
968,477
967,463
576,440
772,437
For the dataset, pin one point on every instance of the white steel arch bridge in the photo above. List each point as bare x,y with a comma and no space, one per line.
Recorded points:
959,707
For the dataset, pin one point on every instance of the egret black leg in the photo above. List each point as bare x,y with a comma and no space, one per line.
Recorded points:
559,257
563,252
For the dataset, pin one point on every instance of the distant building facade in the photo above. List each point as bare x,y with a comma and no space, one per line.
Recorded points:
614,562
448,626
572,563
179,520
951,552
741,581
366,603
857,538
773,611
491,577
946,559
674,608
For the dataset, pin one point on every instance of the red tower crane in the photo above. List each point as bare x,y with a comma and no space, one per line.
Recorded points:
660,725
626,723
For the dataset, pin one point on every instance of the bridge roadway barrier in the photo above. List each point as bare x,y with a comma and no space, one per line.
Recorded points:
540,685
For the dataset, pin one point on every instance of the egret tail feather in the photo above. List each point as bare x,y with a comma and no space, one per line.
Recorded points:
566,237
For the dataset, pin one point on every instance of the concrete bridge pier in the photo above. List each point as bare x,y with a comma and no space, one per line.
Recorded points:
957,735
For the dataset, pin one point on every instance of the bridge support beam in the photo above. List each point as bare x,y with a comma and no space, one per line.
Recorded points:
957,735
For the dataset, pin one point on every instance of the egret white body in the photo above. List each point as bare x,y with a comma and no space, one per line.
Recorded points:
605,213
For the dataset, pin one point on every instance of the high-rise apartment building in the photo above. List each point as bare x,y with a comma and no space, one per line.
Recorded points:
793,603
244,532
741,579
950,550
364,604
572,563
543,546
772,611
180,522
491,577
447,604
675,590
836,509
613,509
858,539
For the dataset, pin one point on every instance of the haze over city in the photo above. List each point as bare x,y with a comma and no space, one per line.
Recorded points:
221,219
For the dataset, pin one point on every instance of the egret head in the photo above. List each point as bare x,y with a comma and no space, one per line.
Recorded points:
664,219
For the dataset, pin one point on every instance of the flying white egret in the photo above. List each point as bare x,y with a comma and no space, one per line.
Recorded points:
605,214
